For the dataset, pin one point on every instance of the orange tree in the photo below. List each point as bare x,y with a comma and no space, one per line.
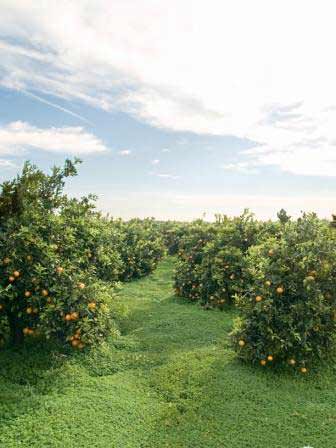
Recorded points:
43,286
140,246
97,237
289,307
187,277
211,264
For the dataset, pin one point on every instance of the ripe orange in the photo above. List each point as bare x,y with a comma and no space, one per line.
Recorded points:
280,290
29,310
29,257
241,343
263,362
304,370
268,283
310,278
292,362
16,274
27,294
75,343
92,306
258,299
11,278
74,315
81,285
25,331
67,317
59,269
270,358
44,292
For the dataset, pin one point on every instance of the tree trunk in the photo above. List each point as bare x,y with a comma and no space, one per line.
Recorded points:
16,334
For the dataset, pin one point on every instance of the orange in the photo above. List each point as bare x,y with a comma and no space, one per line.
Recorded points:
29,310
280,290
81,285
92,306
26,330
258,299
27,294
67,317
270,358
11,278
29,257
75,343
44,292
271,252
59,269
263,362
241,343
74,315
292,362
304,370
16,274
268,283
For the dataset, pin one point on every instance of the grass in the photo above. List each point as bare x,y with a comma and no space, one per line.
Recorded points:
170,380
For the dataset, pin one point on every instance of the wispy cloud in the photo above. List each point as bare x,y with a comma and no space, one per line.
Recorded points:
124,152
261,90
19,136
7,163
165,176
155,162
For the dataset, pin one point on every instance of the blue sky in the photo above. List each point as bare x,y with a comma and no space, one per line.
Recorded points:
165,127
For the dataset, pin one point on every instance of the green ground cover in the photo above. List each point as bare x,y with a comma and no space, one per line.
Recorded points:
171,380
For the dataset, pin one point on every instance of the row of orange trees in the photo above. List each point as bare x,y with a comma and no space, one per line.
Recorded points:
280,275
60,260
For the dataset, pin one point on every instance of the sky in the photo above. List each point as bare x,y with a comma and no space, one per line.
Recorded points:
178,109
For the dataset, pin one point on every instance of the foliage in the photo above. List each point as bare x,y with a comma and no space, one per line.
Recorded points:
140,246
55,255
289,308
211,267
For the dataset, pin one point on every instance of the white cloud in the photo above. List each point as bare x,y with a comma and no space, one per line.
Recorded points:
124,152
259,70
170,205
6,163
166,150
155,162
18,136
241,167
165,175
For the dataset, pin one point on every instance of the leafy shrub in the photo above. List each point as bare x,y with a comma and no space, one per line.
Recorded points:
47,282
289,307
140,247
211,265
173,232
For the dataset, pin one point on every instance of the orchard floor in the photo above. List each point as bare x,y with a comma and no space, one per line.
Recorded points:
170,380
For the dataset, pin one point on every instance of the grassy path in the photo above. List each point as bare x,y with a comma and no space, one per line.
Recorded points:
169,381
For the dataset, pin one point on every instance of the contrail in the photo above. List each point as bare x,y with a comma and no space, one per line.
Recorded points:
56,106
